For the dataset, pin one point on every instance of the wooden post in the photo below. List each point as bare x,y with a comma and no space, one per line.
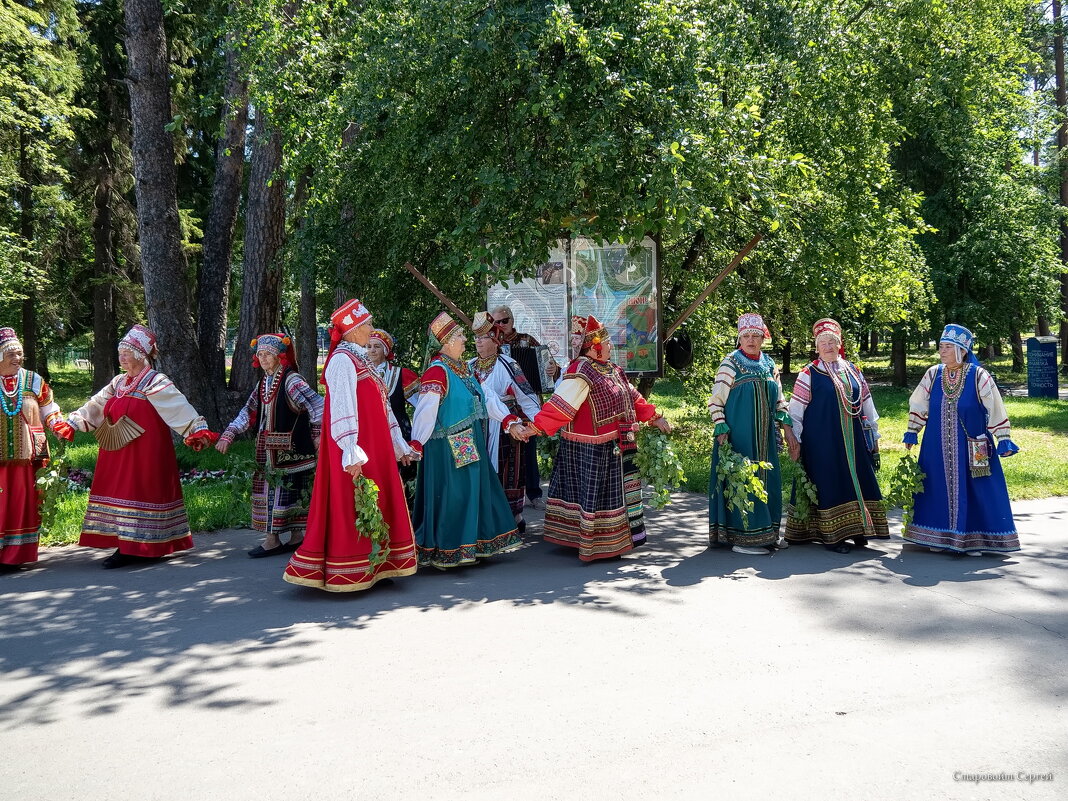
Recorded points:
708,290
438,293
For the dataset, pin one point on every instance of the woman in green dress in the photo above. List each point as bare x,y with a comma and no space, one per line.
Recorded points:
747,405
461,513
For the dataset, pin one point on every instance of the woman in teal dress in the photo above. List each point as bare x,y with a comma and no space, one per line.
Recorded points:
461,513
747,405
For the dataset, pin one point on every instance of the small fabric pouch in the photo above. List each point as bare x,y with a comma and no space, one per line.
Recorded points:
277,440
978,455
39,441
463,447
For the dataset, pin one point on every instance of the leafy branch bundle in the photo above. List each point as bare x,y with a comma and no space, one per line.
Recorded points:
740,480
905,482
806,498
658,465
369,520
51,481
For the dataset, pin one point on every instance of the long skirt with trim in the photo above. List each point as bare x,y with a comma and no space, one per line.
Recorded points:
135,502
957,511
461,513
283,507
335,556
20,513
511,470
595,500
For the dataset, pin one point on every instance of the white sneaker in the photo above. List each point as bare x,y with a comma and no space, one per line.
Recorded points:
752,551
937,550
781,545
536,503
973,553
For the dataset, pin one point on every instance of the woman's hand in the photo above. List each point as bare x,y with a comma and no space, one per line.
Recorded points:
354,470
662,424
222,446
722,439
64,431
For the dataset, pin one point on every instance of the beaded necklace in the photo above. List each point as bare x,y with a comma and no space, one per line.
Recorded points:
269,387
953,381
17,395
845,395
460,368
746,366
130,382
483,367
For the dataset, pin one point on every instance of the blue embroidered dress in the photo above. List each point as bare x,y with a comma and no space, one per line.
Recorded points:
956,510
747,403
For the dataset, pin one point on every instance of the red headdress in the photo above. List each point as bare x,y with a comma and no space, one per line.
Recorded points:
829,329
594,335
349,315
387,342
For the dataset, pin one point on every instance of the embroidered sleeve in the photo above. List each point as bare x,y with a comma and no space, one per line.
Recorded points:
799,400
782,408
997,419
344,413
526,402
920,401
173,407
425,415
435,380
643,410
50,413
718,400
303,398
245,419
91,415
562,407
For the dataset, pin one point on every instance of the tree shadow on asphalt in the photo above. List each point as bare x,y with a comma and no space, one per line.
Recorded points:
114,636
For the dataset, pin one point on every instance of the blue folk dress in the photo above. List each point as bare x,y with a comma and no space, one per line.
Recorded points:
956,510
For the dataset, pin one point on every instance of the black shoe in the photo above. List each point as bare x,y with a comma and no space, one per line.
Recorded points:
521,526
10,568
118,560
840,547
259,551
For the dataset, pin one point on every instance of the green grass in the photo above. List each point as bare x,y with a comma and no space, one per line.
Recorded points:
1040,428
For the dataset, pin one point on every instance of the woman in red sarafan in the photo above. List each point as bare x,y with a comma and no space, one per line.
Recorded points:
28,408
135,502
360,437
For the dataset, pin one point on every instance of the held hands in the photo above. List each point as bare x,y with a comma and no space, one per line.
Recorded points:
64,431
201,439
662,424
222,446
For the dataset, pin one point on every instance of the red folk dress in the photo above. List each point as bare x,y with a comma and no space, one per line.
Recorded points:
28,408
335,556
595,495
135,502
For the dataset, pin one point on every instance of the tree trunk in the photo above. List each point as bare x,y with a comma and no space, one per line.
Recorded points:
874,351
213,288
1062,148
264,235
1042,326
1016,341
307,344
29,304
898,339
163,263
105,336
787,355
997,348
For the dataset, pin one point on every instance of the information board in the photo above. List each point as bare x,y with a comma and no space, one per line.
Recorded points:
1042,367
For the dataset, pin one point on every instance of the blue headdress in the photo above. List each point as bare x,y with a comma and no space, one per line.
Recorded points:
961,337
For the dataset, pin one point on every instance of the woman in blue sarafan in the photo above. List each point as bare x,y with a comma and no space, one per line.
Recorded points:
964,506
747,406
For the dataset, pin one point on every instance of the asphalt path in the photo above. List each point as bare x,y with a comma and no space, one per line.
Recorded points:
675,672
